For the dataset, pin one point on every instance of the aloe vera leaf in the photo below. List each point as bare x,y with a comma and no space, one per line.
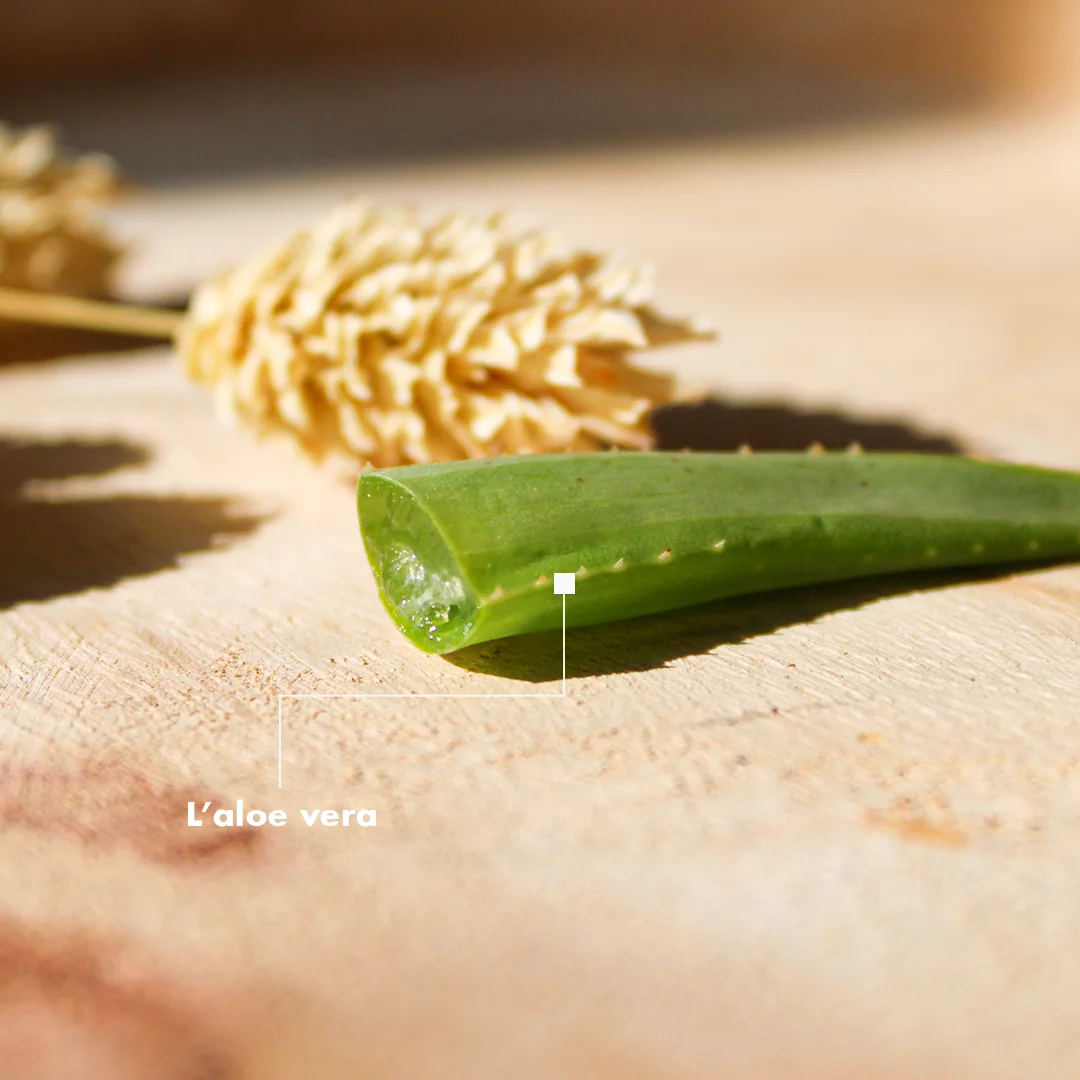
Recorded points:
464,552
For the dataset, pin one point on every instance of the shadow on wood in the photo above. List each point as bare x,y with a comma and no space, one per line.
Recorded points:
35,344
714,424
21,462
58,547
653,641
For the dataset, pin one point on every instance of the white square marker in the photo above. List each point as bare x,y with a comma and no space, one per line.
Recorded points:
564,584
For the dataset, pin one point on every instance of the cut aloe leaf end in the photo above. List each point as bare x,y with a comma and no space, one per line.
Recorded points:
465,552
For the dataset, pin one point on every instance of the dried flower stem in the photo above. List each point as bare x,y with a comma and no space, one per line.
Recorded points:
53,310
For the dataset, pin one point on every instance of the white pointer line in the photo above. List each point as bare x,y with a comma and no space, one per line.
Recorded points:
376,694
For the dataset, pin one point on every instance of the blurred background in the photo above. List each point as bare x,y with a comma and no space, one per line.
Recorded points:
843,187
193,89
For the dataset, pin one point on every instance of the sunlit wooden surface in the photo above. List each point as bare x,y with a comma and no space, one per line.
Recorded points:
825,834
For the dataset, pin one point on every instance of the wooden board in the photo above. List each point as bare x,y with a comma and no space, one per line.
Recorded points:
822,834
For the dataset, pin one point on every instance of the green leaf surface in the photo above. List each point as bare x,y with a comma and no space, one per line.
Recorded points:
465,552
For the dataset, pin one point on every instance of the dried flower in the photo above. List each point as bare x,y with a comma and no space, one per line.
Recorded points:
388,338
51,237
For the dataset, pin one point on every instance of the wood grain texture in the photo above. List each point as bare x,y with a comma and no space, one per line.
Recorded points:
825,834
